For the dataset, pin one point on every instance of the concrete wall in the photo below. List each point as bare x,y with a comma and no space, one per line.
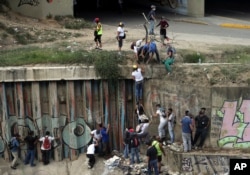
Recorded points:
195,8
69,101
42,8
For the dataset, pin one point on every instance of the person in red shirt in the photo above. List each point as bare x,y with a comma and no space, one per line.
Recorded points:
163,29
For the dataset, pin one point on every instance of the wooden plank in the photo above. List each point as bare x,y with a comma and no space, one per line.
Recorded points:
36,112
71,116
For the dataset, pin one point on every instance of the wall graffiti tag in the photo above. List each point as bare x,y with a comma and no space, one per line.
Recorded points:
235,127
28,2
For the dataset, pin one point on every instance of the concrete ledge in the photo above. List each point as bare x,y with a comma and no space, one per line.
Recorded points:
191,21
232,25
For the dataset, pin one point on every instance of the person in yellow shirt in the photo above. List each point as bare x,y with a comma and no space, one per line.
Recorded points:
160,151
98,34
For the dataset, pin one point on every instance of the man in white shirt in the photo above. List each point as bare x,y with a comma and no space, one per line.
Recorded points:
46,149
96,134
163,121
91,153
138,77
143,131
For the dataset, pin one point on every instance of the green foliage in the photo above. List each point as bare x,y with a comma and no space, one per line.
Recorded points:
49,16
194,58
76,24
107,67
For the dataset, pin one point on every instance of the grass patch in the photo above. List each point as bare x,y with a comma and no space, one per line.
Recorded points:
194,58
106,62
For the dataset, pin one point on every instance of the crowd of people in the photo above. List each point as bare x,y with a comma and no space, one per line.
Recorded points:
31,140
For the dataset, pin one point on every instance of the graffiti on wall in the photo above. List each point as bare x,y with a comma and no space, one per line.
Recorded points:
28,2
75,134
206,164
234,123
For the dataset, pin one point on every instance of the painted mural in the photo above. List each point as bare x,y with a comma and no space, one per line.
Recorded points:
232,124
28,2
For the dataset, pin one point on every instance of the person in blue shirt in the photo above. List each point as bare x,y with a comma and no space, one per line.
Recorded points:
105,138
153,50
15,142
187,128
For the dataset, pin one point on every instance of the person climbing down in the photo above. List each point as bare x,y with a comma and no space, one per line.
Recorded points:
170,59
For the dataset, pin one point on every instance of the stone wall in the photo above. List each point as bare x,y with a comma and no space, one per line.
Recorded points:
41,9
69,101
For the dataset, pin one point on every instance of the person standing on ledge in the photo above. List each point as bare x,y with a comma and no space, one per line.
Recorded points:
138,77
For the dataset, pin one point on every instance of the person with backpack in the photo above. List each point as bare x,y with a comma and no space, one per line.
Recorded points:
160,112
120,36
160,151
152,158
46,147
15,145
31,141
126,139
98,33
134,148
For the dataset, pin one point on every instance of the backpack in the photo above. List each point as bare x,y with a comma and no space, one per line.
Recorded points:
46,143
163,112
134,142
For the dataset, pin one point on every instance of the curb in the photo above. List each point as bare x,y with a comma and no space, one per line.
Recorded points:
191,21
232,25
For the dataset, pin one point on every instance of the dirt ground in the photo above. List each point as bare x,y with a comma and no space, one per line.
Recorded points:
51,33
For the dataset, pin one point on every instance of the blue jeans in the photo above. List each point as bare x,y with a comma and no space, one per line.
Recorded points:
153,164
171,134
186,138
30,157
138,90
151,27
134,153
126,151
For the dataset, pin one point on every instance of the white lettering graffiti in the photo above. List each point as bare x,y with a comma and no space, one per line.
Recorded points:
28,2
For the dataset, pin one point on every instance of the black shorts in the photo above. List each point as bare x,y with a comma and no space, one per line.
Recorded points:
159,158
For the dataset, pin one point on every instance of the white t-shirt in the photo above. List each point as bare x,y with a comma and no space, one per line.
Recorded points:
171,123
137,74
138,43
144,128
162,119
97,136
121,31
91,149
42,140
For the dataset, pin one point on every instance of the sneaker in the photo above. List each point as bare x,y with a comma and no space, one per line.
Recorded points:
89,167
164,143
33,165
12,167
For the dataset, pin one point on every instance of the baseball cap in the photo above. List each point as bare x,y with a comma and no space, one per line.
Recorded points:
135,66
97,20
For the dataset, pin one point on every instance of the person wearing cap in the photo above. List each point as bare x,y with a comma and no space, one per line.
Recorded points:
98,34
138,77
163,29
15,142
120,36
202,124
126,138
187,128
152,20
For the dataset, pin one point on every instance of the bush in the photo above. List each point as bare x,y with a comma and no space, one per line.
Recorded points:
194,58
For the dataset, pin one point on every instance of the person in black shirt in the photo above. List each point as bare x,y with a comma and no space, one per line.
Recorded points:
202,124
31,141
152,158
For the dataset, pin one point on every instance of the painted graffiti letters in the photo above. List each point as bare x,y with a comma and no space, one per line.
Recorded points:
28,2
235,126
